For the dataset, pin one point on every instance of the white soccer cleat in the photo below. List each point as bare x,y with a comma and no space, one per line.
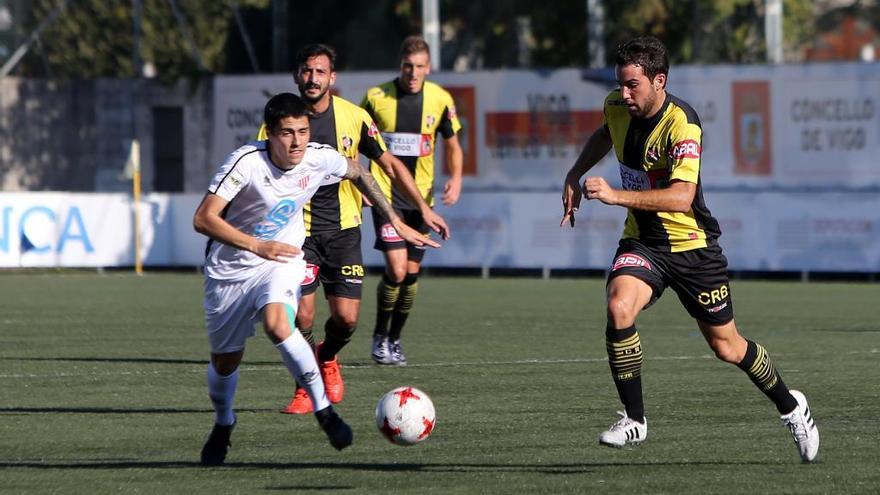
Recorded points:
624,431
381,352
803,428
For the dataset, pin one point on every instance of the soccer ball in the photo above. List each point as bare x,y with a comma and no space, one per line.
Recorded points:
405,416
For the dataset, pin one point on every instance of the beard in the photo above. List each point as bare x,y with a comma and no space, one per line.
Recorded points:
311,100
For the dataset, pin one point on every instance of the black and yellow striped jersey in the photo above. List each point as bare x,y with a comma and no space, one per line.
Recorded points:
651,153
409,124
337,203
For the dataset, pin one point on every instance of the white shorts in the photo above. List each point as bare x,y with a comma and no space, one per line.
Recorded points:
233,308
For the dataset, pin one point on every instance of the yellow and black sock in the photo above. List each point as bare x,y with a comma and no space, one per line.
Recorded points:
386,297
625,359
309,336
336,336
756,363
408,290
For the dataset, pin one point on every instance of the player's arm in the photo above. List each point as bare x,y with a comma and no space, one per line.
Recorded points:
596,148
370,188
454,166
677,198
403,179
208,221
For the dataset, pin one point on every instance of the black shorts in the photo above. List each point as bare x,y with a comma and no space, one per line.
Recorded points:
334,259
387,238
698,276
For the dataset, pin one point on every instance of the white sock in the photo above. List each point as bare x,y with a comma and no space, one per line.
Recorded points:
300,361
221,389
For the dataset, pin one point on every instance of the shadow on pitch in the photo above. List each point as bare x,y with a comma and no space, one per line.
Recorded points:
559,468
146,360
115,410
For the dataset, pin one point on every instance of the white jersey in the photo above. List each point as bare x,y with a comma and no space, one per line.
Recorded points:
266,202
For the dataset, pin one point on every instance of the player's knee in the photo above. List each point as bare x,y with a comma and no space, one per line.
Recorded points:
225,365
621,311
725,351
305,319
345,320
396,273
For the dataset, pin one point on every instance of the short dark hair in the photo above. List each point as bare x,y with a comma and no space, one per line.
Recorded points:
281,106
647,52
314,50
414,44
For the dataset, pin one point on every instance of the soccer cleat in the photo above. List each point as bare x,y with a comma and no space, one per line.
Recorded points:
803,428
397,356
624,431
300,404
215,449
338,432
334,385
381,350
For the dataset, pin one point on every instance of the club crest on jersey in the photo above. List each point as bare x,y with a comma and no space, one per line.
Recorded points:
347,142
652,155
429,120
303,182
688,148
373,131
389,233
630,260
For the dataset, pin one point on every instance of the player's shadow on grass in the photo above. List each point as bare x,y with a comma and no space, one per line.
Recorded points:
558,468
115,410
141,360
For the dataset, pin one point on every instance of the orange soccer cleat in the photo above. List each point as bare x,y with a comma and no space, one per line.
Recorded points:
333,382
300,404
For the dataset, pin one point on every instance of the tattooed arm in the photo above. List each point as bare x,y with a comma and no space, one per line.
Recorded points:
365,182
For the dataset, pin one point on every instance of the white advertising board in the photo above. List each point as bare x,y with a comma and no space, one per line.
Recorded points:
767,127
768,231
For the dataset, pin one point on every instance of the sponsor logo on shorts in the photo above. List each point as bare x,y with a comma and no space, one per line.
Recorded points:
629,260
717,308
352,270
290,293
311,274
685,149
714,296
389,233
355,281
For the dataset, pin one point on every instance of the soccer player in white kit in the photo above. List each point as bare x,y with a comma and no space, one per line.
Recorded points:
253,215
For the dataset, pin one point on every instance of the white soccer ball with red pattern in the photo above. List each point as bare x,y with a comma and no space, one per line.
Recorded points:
405,416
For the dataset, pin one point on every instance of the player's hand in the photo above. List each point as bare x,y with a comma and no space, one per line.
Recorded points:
412,235
452,191
436,223
571,200
598,188
276,251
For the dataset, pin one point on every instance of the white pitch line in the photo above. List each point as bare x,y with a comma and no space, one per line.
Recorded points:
250,369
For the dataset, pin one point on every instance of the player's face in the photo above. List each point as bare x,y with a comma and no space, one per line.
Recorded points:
314,78
643,96
414,68
287,143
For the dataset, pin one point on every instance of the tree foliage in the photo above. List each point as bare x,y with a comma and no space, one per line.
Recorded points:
94,38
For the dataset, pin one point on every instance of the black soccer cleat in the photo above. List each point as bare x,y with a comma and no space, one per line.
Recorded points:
338,432
215,449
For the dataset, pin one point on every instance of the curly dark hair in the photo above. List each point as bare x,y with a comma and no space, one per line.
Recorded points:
313,50
647,52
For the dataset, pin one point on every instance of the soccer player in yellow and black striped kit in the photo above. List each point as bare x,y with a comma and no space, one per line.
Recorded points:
332,247
411,112
670,239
